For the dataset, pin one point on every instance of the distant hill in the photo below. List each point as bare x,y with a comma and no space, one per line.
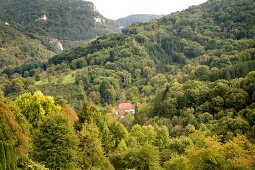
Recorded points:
16,48
68,21
129,20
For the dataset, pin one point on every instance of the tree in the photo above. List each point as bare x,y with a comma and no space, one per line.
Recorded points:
248,84
107,92
55,143
205,153
177,163
70,114
91,153
36,107
118,132
236,98
2,157
134,94
145,157
141,135
11,131
8,156
88,113
94,96
202,72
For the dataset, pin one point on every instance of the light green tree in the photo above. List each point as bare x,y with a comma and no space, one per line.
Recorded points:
91,154
36,107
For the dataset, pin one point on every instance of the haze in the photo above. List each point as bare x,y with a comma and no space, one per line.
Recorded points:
115,9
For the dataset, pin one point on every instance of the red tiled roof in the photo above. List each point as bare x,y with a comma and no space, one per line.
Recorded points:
122,107
126,106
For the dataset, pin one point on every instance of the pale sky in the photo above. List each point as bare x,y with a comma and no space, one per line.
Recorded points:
115,9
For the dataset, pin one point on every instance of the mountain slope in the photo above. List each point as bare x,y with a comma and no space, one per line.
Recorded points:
190,75
129,20
208,42
68,21
17,49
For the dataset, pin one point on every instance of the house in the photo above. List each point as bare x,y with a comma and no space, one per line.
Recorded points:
123,108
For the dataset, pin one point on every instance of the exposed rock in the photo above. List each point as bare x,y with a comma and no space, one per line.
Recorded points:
99,20
43,18
56,44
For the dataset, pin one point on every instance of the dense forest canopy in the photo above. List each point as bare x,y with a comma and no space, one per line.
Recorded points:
190,74
69,21
16,48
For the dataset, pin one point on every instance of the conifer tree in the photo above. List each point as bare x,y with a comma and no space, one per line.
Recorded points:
2,157
11,157
90,148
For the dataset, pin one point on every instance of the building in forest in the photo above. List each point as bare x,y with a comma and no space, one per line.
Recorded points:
123,108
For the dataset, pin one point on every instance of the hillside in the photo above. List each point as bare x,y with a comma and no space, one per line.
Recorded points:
68,21
196,44
142,18
17,49
190,75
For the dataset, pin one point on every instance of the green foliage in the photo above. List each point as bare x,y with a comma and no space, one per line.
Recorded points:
16,48
190,74
36,107
88,113
118,132
91,153
8,156
177,163
67,21
11,131
2,156
55,143
107,93
28,164
146,157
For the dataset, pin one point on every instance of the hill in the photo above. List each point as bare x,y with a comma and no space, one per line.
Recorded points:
129,20
17,49
190,74
205,43
67,21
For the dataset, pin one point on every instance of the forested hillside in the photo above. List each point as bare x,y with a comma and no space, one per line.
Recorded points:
69,21
191,75
142,18
198,44
17,49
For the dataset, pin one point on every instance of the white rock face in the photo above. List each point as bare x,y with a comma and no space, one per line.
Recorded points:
94,8
55,42
43,18
99,20
6,23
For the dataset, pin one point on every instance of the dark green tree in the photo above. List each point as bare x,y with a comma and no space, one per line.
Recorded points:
107,92
55,143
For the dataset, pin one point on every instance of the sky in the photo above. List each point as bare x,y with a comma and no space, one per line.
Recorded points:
115,9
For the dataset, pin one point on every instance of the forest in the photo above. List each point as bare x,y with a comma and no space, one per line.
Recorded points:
190,75
69,21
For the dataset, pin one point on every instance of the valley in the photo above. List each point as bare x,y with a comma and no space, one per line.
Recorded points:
189,77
